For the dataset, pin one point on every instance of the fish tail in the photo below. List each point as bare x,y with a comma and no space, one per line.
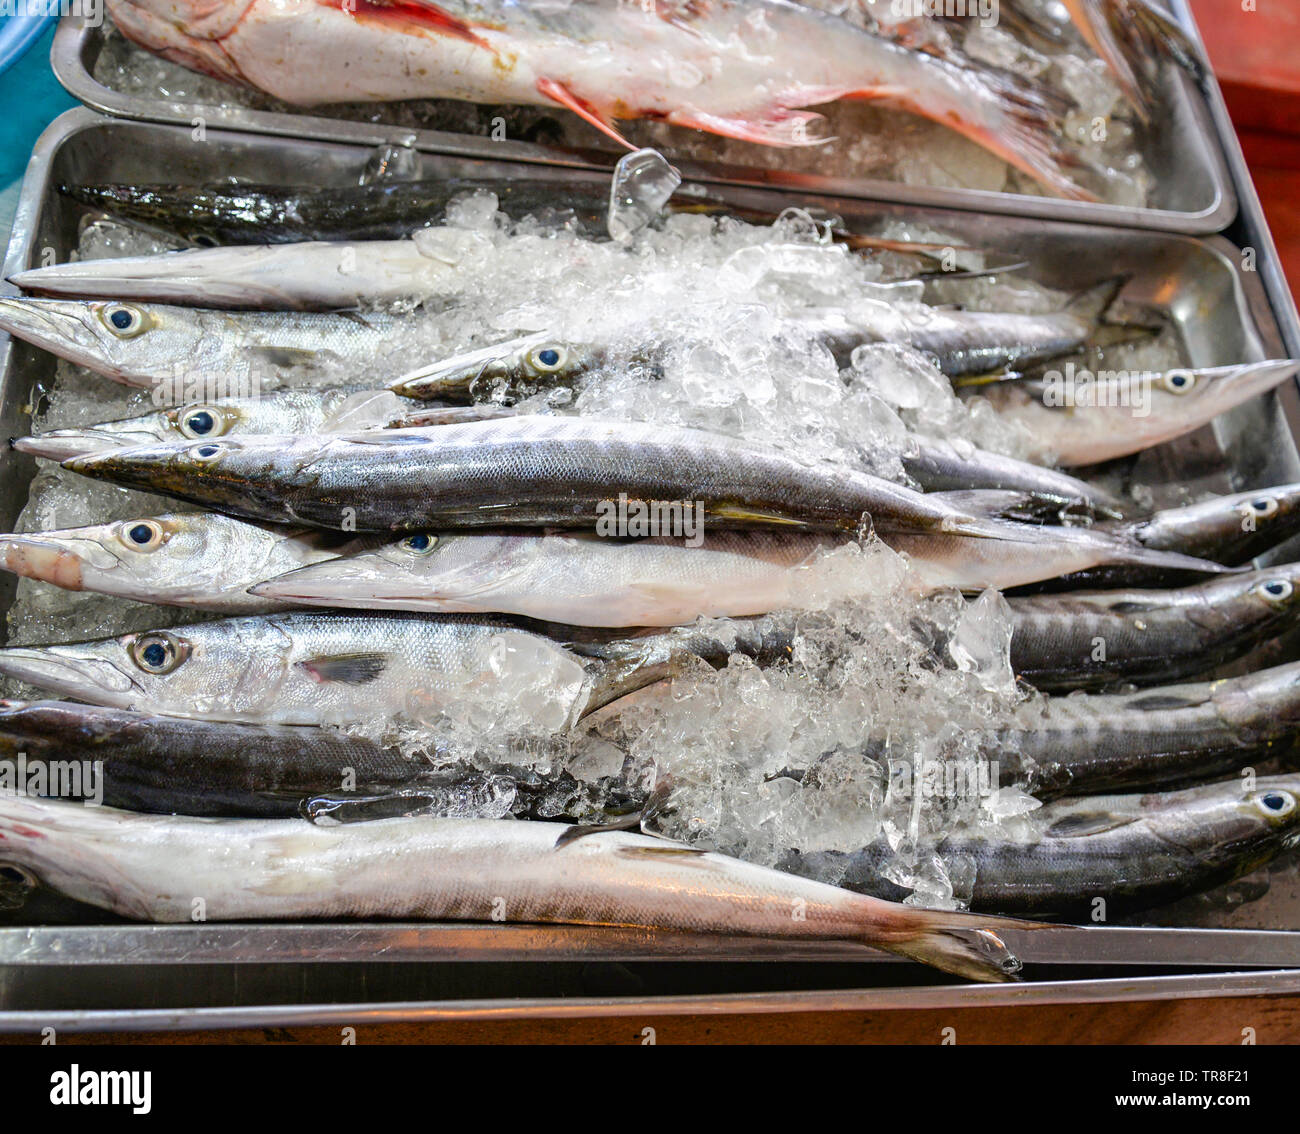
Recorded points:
1130,551
966,945
1021,122
1128,35
1097,307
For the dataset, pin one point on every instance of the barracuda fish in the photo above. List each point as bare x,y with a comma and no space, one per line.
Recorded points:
153,345
148,867
962,342
318,668
586,580
1114,414
743,70
1133,851
311,276
532,470
196,559
1087,639
172,765
304,411
1168,734
1231,530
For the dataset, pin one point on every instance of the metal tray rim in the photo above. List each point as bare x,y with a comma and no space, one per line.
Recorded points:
65,59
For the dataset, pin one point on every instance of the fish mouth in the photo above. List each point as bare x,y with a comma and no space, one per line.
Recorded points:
453,375
54,557
65,444
1235,384
70,670
142,466
58,326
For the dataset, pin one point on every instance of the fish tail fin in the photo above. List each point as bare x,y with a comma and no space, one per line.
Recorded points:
1128,35
1019,120
1129,551
966,945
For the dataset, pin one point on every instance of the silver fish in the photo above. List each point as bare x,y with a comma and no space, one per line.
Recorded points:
303,411
152,867
159,346
534,470
1100,419
1132,852
197,559
308,669
314,275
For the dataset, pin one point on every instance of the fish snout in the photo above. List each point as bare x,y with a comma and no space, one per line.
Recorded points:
74,671
64,444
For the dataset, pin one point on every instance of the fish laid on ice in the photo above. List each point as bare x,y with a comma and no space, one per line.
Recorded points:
1113,414
312,276
743,69
306,411
1131,851
155,345
151,867
534,470
1085,639
585,580
194,559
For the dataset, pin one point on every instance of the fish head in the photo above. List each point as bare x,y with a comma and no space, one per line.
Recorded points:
132,343
1272,806
1232,528
149,558
230,474
1199,395
503,373
424,571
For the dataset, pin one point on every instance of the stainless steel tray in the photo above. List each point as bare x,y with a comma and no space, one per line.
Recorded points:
62,962
1193,191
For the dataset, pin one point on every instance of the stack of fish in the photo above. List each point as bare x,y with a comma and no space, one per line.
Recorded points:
432,553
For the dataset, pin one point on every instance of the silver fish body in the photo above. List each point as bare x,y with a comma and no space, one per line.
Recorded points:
151,867
1088,639
174,348
1131,852
304,411
1099,420
539,471
317,668
195,559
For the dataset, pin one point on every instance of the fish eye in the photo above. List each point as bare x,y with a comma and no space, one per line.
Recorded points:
420,544
1277,804
1178,381
201,421
158,653
1276,590
549,358
124,320
142,535
207,453
1263,506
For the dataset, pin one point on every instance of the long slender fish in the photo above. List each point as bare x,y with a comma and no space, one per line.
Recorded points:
1113,414
1231,530
534,470
155,345
744,70
195,559
1168,734
306,411
1131,851
173,765
152,868
311,276
1087,639
586,580
962,342
317,668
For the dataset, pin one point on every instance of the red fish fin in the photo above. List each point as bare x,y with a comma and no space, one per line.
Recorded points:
558,92
422,15
779,128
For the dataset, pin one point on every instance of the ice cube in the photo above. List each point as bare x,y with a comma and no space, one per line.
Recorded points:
642,183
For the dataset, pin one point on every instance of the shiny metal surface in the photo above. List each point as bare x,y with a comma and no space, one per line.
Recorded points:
1194,192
